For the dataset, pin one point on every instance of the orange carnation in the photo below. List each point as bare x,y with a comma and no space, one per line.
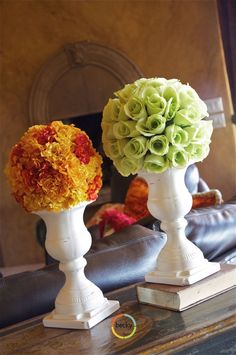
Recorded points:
54,167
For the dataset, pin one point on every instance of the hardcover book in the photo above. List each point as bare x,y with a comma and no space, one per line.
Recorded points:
179,298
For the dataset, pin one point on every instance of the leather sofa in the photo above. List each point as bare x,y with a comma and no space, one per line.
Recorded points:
123,258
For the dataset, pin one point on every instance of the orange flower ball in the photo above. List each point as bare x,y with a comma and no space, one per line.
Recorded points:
54,167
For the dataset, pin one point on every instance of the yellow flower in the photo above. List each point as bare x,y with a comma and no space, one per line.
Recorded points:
54,167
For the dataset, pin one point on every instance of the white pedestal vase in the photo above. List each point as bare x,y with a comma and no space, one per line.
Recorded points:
80,304
180,262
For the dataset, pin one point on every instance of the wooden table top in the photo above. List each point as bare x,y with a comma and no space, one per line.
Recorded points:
209,326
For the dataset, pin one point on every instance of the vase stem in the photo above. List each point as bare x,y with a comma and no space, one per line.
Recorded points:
180,262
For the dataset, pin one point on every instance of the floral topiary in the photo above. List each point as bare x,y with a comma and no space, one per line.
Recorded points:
54,167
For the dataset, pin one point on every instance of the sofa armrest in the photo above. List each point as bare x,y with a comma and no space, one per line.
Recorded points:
28,294
213,229
202,186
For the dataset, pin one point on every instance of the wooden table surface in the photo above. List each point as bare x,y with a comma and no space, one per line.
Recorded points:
208,328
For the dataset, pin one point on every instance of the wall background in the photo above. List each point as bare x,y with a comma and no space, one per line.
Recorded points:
164,38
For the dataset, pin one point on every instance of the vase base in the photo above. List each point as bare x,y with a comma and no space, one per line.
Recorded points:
181,278
81,321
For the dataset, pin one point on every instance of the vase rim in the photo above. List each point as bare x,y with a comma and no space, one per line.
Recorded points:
144,172
78,206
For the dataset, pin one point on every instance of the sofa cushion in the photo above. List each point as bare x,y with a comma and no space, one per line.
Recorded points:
123,258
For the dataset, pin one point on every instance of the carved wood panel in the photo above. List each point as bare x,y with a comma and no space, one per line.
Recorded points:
79,80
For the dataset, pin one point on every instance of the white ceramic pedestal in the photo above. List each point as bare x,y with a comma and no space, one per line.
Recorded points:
80,304
180,262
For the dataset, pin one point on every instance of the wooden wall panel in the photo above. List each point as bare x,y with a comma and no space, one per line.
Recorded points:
164,38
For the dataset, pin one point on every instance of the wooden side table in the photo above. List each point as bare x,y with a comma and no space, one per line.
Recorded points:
207,328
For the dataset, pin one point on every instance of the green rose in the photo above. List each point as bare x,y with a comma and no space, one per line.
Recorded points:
205,130
171,109
187,95
107,111
146,92
136,148
125,93
170,92
178,157
191,131
155,83
158,145
172,98
115,148
154,124
122,115
148,87
135,108
190,100
176,135
141,82
202,108
112,110
155,104
124,129
121,144
107,130
201,132
106,145
175,83
155,164
197,151
127,166
111,149
187,117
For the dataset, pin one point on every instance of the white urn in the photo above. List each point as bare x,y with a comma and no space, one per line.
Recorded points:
180,262
80,304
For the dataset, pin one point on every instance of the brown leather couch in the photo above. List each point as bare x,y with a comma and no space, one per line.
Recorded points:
123,258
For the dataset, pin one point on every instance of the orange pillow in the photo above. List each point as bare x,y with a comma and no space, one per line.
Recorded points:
136,199
137,195
207,198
